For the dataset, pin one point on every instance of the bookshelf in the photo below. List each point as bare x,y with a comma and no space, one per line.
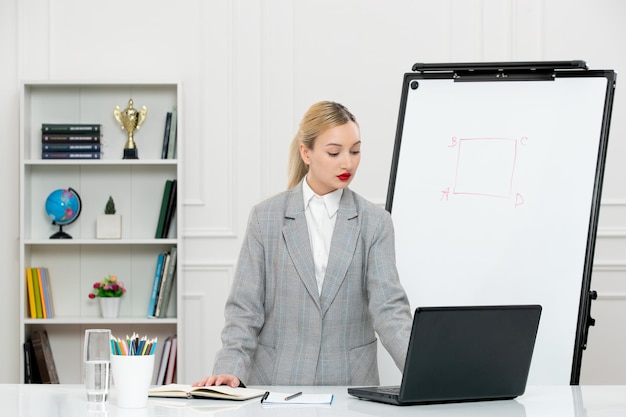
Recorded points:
137,188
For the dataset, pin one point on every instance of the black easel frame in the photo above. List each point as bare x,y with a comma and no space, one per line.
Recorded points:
526,71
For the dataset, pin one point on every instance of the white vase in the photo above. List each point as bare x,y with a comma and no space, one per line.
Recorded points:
109,226
109,307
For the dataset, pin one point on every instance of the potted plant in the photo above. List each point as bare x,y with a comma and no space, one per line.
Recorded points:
109,292
109,224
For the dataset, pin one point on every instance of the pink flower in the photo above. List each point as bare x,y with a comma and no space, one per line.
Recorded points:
109,286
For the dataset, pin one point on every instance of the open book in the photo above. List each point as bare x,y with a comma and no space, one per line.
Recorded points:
221,392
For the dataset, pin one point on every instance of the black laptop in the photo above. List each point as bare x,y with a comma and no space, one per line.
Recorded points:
458,354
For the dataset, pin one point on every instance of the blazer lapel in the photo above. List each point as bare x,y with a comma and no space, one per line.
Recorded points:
296,235
342,247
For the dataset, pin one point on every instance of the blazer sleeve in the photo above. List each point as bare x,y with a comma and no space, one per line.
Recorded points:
244,312
388,303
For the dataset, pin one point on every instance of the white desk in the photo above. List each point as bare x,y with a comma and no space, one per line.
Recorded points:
554,401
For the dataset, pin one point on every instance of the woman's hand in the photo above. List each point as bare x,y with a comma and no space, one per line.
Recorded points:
224,379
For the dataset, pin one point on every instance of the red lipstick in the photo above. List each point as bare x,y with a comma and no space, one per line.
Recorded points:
344,177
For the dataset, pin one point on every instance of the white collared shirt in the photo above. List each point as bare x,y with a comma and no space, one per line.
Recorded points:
321,215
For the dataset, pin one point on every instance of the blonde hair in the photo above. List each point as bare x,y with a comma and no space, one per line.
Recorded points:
319,117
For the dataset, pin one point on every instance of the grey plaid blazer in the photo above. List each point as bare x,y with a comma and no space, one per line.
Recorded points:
280,331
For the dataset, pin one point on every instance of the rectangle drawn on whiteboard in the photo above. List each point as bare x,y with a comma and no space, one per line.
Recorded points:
485,166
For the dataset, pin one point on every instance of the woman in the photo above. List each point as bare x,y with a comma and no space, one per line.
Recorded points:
316,276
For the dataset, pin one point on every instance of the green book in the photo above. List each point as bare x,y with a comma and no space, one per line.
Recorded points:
162,213
88,128
170,211
38,306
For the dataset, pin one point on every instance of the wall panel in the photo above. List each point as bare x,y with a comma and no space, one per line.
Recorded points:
206,285
603,360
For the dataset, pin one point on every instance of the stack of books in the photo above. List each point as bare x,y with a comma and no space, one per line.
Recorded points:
167,367
162,285
70,141
167,210
39,365
39,293
169,136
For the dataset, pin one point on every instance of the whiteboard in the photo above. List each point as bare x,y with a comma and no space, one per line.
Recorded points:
494,194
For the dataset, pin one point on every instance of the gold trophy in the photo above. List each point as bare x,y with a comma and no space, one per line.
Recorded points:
130,119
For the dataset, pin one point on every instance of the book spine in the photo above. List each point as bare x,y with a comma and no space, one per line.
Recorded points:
164,359
31,371
170,275
155,285
36,293
171,146
166,134
47,351
62,138
44,307
28,370
70,155
73,147
35,372
32,307
166,196
47,291
171,210
70,128
171,363
159,301
37,341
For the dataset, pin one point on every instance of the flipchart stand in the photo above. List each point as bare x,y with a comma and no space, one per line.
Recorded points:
495,192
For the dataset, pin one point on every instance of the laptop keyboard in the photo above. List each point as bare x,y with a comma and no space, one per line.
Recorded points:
394,390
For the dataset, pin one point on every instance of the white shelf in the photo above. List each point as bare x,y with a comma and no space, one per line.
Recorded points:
101,321
107,162
137,188
104,242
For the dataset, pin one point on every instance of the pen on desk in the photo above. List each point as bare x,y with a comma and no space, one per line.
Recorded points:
292,396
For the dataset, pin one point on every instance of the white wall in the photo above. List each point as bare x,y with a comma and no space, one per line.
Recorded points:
251,68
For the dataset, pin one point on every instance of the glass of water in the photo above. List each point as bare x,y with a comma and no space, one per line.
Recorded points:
97,364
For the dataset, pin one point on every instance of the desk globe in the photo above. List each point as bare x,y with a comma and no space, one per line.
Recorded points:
63,207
